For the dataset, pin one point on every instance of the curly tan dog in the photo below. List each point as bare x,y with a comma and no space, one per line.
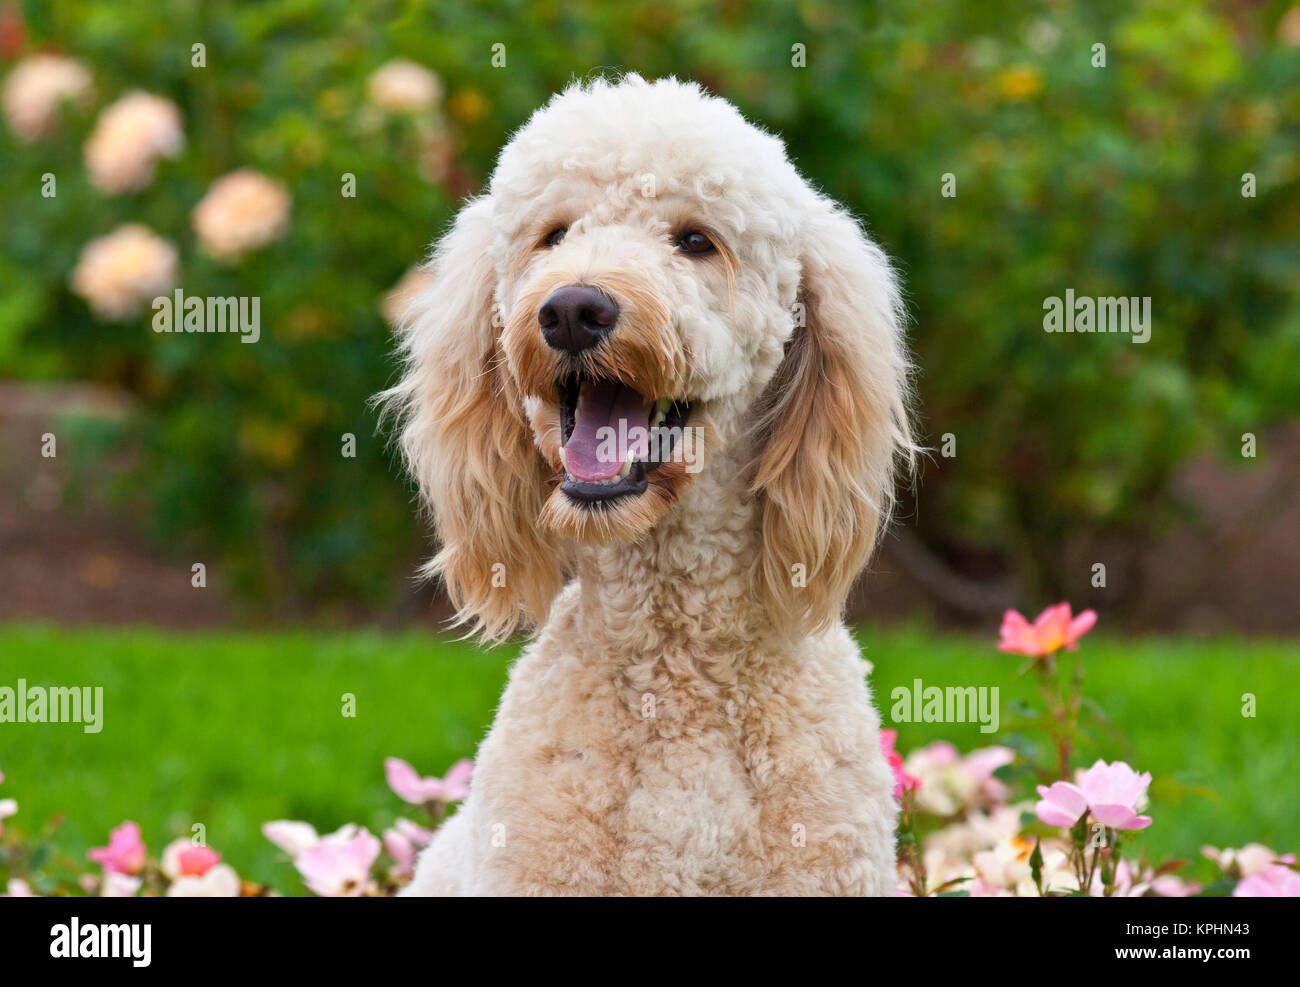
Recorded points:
654,398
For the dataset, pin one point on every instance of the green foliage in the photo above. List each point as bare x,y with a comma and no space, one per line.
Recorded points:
1122,180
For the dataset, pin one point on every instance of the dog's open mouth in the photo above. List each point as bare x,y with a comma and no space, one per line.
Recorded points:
613,437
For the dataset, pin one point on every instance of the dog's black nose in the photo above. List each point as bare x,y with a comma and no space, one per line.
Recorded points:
576,318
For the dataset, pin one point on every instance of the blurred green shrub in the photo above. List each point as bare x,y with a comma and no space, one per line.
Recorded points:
1122,180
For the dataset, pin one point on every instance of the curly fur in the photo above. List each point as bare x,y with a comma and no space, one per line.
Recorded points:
692,717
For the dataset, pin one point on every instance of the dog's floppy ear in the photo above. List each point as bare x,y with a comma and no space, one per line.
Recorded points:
831,424
467,442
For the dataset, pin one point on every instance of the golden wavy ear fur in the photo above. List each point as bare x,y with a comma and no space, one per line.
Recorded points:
466,440
830,426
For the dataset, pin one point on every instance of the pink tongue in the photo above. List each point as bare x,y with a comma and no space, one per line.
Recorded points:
610,420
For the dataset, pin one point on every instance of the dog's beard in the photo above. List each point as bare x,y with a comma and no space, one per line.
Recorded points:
611,421
629,518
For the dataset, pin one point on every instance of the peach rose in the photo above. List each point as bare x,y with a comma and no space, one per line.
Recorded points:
118,273
242,211
129,138
36,87
403,86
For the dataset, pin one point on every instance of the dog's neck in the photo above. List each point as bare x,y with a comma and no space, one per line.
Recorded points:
689,580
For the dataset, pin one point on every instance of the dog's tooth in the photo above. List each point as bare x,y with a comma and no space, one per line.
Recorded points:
627,464
563,462
661,412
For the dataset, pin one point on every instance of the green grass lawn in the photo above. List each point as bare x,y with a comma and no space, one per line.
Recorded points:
231,730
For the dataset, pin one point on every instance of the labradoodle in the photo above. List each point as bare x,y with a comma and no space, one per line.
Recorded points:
654,398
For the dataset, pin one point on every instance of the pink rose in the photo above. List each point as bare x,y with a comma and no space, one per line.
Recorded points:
902,780
1054,629
182,858
125,853
1111,792
402,850
291,836
407,783
1277,881
417,834
338,869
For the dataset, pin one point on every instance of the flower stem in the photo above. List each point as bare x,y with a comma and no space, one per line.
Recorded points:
1057,708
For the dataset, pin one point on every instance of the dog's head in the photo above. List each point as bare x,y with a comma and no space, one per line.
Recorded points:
648,290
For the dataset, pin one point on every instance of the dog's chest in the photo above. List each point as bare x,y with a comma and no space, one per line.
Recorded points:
627,787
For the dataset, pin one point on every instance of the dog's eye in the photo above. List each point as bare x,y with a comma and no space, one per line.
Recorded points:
555,236
694,242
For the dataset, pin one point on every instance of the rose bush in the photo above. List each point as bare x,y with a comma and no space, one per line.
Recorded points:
966,832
